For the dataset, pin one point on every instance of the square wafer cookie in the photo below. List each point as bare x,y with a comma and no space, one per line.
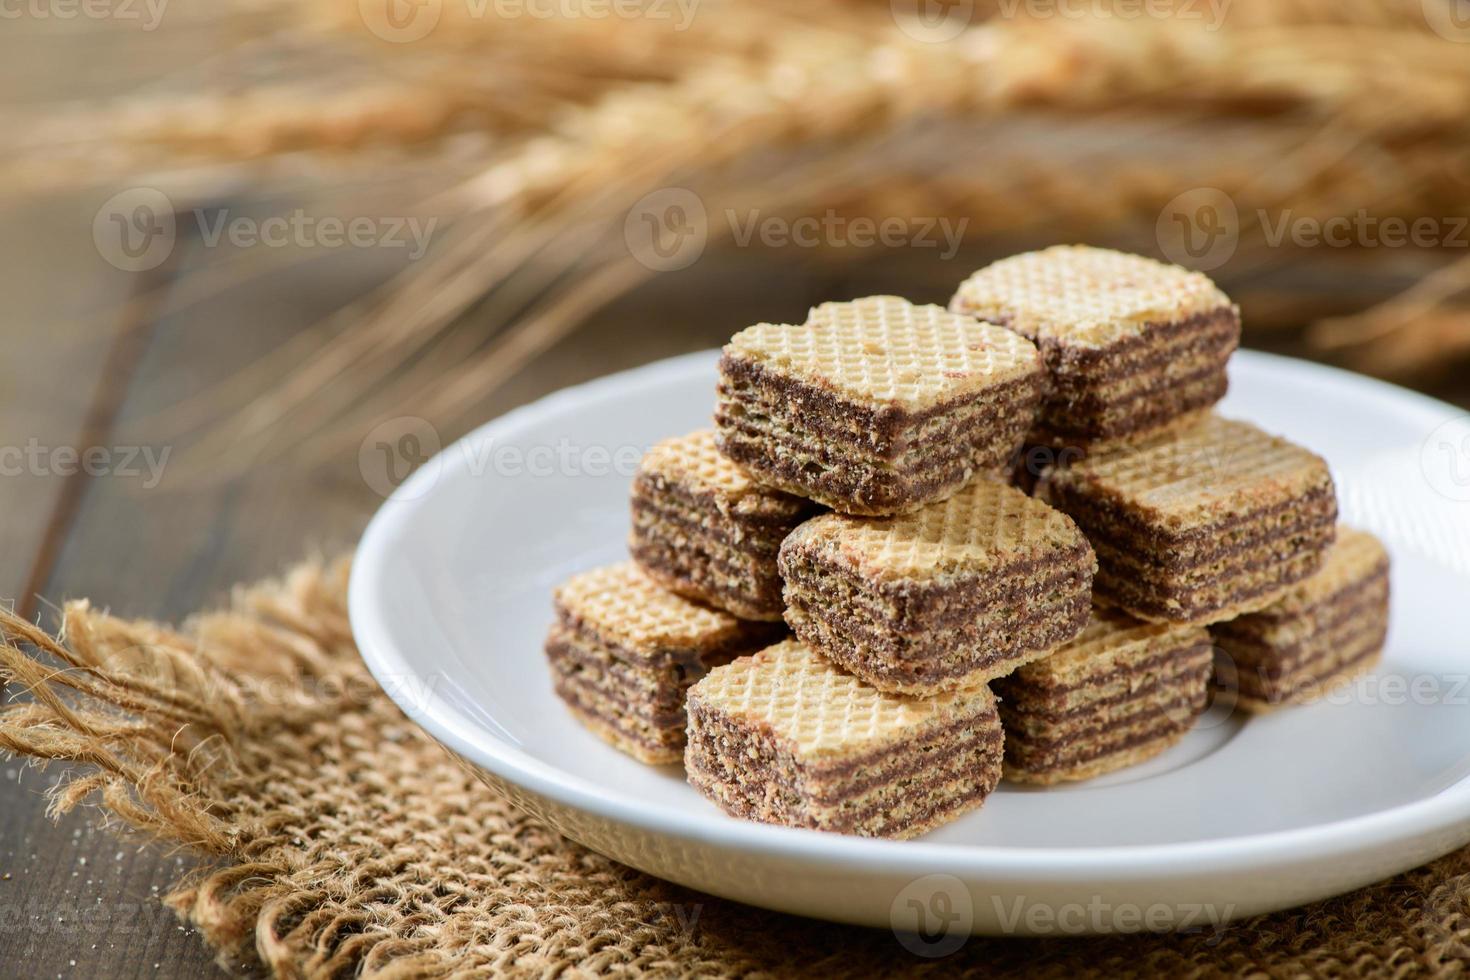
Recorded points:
785,737
949,596
876,406
1322,631
1120,693
706,530
623,652
1132,346
1202,525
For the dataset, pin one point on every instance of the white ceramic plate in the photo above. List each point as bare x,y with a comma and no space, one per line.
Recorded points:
450,599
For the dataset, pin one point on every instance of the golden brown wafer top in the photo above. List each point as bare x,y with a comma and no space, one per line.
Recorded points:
1085,296
1216,469
628,608
819,710
986,525
693,462
886,350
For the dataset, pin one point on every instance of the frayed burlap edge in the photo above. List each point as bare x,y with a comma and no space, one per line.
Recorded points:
341,841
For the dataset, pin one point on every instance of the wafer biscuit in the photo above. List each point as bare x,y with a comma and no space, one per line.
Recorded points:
876,406
624,651
1324,630
704,529
1123,691
949,596
785,737
1200,526
1130,344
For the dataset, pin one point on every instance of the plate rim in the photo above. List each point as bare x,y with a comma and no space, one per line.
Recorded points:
1446,809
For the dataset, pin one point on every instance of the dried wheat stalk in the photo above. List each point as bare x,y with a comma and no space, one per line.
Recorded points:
1018,124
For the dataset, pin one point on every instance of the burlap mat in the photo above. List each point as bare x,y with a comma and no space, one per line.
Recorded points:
345,842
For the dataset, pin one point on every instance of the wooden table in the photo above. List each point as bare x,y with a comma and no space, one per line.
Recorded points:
94,359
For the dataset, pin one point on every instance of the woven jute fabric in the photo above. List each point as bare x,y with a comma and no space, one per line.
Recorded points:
340,840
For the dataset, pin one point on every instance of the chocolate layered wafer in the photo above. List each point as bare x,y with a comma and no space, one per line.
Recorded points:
624,651
876,406
1121,692
949,596
1199,526
1324,630
705,530
1132,346
785,737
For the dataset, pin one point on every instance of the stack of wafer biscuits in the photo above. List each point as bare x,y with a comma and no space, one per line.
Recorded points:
950,626
630,639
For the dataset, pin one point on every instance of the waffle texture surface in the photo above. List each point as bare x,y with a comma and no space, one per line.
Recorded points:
626,607
817,709
694,463
885,350
985,526
1217,469
1085,296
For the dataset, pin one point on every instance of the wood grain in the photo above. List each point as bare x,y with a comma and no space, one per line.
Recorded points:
166,550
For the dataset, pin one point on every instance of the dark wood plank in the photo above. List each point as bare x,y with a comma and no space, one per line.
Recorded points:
60,330
162,550
71,331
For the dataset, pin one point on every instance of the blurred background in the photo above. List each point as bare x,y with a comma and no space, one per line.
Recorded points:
247,244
